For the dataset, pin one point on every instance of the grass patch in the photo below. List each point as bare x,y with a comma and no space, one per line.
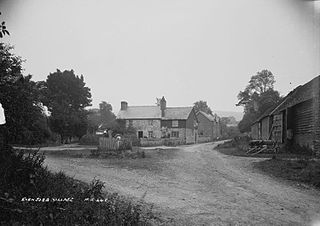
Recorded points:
298,170
116,154
32,195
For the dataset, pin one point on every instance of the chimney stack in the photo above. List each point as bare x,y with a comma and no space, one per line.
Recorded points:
124,105
163,106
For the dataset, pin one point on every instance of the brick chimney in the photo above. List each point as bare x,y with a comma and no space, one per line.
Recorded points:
124,105
163,106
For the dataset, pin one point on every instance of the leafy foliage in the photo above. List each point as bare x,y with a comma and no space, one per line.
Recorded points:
24,177
258,96
66,97
20,98
3,29
202,106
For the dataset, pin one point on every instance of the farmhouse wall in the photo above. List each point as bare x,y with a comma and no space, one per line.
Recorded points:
182,134
205,127
190,136
146,125
168,123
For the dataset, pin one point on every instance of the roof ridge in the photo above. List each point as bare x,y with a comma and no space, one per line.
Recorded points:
181,107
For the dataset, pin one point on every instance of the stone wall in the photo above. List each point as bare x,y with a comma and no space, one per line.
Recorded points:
146,125
204,139
182,133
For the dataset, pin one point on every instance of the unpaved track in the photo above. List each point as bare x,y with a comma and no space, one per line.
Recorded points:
196,185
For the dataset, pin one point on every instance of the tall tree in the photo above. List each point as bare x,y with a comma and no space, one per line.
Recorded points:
66,96
20,98
258,96
202,106
106,113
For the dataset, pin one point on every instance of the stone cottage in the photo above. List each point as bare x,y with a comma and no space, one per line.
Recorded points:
160,121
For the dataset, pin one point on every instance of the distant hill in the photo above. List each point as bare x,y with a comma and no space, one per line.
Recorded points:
237,115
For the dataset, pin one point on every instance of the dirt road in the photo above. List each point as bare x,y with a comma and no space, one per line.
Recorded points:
197,185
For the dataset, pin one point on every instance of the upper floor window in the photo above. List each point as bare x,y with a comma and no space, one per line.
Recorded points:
175,123
150,134
130,122
150,122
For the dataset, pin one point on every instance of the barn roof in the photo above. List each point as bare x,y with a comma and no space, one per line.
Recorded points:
265,114
298,95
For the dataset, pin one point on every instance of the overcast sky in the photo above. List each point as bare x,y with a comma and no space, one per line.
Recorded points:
185,50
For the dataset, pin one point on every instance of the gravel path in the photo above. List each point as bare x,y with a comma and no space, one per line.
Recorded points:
196,185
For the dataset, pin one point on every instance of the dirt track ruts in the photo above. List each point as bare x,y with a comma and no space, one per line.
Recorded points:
197,185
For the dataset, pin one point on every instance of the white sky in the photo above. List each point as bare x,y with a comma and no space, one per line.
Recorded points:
186,50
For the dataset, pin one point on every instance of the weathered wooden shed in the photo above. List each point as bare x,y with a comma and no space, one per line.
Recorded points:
261,128
297,118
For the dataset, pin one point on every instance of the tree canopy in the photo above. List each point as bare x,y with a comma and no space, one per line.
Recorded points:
202,106
20,98
258,96
66,97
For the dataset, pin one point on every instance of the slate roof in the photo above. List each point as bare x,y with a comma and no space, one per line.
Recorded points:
208,116
177,112
154,112
140,112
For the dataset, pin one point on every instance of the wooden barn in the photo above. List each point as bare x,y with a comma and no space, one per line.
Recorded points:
297,118
261,128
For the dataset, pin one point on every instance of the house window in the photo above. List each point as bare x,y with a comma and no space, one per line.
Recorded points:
150,122
175,134
175,123
150,134
140,134
130,123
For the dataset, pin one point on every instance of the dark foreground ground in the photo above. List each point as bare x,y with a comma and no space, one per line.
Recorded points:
196,185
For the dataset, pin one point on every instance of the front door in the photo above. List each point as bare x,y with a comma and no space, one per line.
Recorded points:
140,134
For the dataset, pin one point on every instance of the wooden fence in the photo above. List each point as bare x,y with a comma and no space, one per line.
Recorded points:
108,144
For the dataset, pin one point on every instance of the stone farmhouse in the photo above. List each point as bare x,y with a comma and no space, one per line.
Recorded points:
295,120
209,127
161,122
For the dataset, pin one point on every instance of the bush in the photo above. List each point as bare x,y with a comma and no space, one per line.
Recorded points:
89,139
125,144
298,149
31,195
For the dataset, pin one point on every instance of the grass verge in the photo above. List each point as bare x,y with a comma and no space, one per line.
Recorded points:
32,195
297,170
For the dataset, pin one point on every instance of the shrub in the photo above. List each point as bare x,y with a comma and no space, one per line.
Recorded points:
125,144
23,177
89,139
298,149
